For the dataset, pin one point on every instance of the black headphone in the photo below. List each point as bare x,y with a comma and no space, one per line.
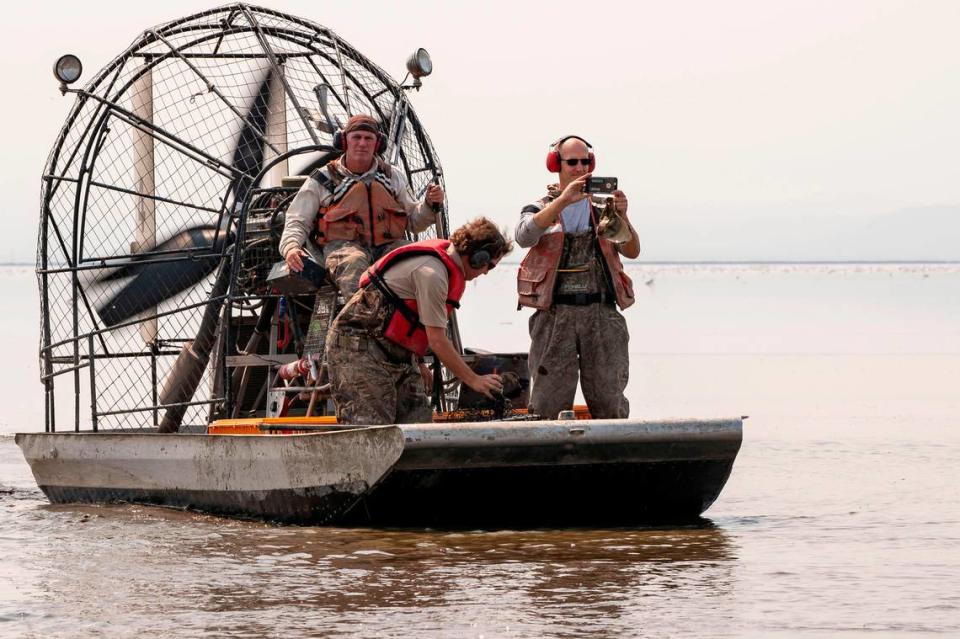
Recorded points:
340,141
484,255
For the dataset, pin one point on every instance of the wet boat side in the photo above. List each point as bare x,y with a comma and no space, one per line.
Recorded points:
312,478
587,472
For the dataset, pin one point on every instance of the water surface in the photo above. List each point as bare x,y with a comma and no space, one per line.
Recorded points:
841,517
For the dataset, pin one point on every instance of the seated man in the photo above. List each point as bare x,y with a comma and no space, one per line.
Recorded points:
357,208
401,309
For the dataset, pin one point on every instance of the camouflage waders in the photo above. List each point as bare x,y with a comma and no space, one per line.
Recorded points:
581,336
346,261
372,380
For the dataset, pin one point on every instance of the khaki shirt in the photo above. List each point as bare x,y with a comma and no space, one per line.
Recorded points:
425,279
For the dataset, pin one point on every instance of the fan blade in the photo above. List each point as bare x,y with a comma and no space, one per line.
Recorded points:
248,154
191,239
154,282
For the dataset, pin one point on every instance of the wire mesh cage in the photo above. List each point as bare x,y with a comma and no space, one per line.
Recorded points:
160,199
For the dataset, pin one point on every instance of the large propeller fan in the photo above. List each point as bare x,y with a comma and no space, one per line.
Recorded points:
193,251
181,126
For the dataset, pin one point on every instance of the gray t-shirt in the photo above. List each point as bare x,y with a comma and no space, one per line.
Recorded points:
576,217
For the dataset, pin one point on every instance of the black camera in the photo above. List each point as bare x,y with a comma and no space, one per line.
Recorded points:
600,185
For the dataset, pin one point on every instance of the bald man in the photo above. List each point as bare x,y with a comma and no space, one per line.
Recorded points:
575,280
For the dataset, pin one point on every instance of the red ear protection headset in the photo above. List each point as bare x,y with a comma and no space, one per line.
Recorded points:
340,141
554,159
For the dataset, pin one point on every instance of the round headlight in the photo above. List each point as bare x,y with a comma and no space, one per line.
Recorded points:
67,68
419,63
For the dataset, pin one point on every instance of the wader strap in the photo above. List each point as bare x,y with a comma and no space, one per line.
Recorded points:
583,299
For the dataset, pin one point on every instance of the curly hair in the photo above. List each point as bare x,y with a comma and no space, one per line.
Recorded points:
480,233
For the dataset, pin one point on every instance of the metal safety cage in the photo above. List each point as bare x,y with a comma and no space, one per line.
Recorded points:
147,206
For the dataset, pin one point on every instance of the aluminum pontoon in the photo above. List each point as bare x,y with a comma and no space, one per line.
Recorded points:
534,473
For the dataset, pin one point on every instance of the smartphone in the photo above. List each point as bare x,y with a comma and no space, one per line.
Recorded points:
600,185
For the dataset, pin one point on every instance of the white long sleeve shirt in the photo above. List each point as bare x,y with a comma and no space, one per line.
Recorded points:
301,216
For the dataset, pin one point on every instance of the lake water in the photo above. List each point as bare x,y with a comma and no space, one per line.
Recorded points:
841,517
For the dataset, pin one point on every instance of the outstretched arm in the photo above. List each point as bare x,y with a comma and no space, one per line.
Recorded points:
442,347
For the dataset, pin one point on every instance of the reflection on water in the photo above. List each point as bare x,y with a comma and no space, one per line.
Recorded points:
166,571
817,533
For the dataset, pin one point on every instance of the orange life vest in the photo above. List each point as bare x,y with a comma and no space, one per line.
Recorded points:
403,326
537,276
364,210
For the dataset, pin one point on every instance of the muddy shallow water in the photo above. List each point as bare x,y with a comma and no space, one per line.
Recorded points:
842,514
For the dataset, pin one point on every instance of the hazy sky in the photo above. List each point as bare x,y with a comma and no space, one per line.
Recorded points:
731,125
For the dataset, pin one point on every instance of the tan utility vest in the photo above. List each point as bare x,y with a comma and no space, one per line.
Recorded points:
363,210
537,276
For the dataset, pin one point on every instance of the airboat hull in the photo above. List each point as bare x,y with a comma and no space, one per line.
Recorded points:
310,478
555,473
484,474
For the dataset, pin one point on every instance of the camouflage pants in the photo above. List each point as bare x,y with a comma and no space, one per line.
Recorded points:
589,342
346,260
372,380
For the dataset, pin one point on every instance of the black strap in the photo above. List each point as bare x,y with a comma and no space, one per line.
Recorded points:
437,390
321,177
396,301
581,299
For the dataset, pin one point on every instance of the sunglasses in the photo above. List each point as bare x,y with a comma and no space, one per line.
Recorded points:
575,161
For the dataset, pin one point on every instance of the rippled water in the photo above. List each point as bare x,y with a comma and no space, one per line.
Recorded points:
841,517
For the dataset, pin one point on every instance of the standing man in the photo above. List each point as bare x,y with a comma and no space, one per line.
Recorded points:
573,277
400,309
356,208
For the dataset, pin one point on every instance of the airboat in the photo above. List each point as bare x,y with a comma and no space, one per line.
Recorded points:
179,371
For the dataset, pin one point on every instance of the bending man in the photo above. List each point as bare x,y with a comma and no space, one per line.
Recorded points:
357,208
400,310
573,277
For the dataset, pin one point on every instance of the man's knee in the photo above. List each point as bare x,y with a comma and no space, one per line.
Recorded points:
413,406
551,394
346,263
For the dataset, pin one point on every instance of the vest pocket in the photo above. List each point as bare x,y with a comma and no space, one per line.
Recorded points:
529,282
340,224
394,224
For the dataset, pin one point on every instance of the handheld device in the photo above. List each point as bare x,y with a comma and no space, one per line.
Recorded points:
600,185
290,283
